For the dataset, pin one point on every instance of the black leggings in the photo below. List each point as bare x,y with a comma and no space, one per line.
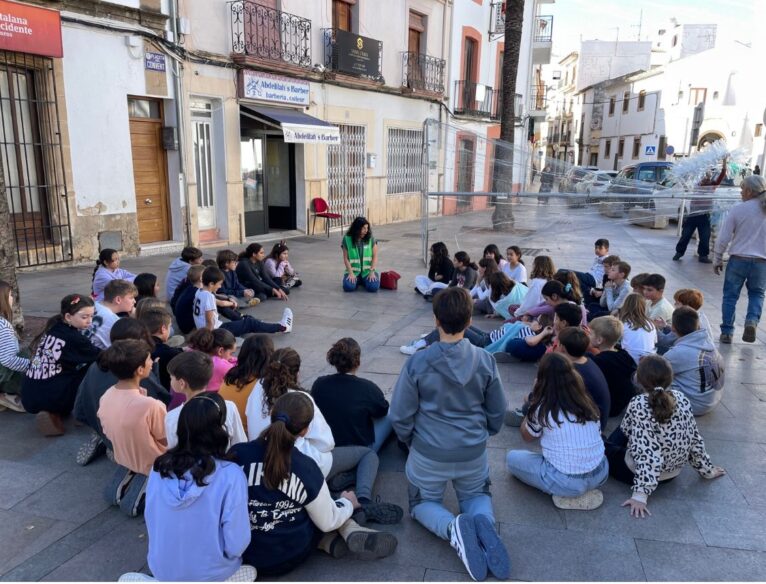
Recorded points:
616,447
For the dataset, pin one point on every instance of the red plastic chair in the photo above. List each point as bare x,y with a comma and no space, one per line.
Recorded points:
320,208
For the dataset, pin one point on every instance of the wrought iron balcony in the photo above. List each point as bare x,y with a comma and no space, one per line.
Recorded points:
543,31
518,106
475,99
265,33
422,72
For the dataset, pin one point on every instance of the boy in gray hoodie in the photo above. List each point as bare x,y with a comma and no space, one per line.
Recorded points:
698,370
447,402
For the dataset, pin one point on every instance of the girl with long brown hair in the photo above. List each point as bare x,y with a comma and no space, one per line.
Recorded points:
639,336
14,362
563,415
279,378
657,437
543,270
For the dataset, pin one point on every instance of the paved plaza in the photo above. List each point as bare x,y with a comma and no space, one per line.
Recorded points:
55,524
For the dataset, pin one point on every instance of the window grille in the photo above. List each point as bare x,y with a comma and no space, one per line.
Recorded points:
346,173
32,160
404,161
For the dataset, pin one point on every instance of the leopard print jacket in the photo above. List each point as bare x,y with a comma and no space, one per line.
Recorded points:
662,448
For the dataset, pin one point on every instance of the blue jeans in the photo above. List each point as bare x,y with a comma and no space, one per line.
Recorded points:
382,427
751,274
531,468
369,285
428,480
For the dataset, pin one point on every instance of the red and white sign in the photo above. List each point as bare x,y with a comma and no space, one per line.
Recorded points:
28,29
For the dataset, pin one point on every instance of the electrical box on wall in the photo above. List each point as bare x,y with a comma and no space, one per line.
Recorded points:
372,160
170,138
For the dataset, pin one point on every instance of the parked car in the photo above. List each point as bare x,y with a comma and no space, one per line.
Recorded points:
591,187
643,178
575,175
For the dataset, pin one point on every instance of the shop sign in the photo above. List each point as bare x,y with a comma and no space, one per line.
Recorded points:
305,134
356,54
265,87
28,29
154,62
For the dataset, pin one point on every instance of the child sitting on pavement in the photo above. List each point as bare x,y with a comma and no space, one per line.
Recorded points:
565,418
452,380
220,345
659,310
692,298
179,269
639,336
656,438
99,379
698,370
119,297
615,362
616,290
190,374
133,422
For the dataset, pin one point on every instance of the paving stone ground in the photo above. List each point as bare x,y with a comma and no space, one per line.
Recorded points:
54,524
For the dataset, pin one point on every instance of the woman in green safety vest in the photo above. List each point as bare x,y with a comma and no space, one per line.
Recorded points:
360,254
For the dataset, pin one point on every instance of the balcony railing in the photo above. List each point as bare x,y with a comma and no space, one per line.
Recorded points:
543,31
422,72
518,106
265,33
475,99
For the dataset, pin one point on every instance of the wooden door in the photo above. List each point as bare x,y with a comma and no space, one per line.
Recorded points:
149,172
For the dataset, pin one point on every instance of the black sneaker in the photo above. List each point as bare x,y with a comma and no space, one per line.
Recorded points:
705,260
677,257
383,513
749,335
132,502
342,481
117,486
367,544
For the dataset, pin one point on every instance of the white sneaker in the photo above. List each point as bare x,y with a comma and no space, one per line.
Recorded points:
287,320
413,347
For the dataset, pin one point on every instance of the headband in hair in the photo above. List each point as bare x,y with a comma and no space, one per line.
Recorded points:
280,417
568,288
75,300
210,399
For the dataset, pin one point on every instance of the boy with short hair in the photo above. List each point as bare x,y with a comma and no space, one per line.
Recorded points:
448,381
133,422
637,283
658,309
184,307
227,263
206,312
158,321
190,256
190,372
616,290
573,344
119,297
615,362
692,298
594,277
698,370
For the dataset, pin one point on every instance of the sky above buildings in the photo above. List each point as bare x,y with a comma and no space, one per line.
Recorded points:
576,20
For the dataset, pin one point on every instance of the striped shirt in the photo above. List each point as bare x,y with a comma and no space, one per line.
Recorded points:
9,348
571,448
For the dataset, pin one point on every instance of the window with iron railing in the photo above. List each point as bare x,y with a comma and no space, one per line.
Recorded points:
422,72
404,161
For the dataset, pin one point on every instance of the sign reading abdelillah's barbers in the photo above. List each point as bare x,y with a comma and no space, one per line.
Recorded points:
28,29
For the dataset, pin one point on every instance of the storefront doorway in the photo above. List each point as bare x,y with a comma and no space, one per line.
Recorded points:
268,177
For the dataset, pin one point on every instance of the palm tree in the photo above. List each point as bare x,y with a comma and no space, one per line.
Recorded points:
502,217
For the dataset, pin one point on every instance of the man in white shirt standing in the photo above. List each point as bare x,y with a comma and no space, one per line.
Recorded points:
744,233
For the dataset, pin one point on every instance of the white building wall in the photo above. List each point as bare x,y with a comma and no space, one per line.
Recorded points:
100,72
602,60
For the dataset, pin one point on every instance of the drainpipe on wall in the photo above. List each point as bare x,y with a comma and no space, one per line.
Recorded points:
178,71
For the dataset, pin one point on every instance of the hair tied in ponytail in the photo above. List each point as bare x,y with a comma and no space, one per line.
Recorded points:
659,388
282,418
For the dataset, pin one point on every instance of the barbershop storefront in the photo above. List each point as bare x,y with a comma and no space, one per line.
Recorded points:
275,131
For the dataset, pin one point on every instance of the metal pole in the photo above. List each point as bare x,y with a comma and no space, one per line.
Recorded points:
681,218
179,101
